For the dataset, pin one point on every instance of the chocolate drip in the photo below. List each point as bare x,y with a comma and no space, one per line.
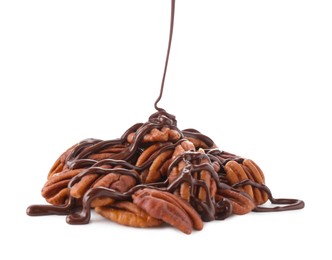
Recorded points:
84,216
291,204
42,210
167,57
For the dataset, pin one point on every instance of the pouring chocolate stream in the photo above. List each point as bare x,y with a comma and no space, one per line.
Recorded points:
155,164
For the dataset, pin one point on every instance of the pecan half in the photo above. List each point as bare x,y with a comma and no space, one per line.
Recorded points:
184,191
115,181
179,150
107,153
255,174
198,139
80,188
241,204
205,176
169,208
103,177
248,170
55,190
187,188
154,162
164,134
128,214
235,174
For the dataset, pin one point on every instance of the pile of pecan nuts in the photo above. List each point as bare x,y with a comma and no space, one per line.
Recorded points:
154,174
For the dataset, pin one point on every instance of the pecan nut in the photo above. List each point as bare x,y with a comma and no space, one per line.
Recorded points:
169,208
180,149
154,162
205,176
107,177
165,134
241,204
235,174
247,170
128,214
186,188
255,174
115,181
107,153
55,190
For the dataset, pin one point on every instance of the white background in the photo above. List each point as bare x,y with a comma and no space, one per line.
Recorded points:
255,76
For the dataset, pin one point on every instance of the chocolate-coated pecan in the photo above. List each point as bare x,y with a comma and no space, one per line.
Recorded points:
164,134
187,189
154,162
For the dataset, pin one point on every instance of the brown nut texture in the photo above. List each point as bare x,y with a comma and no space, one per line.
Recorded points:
154,162
241,204
179,150
198,139
165,134
186,189
255,174
55,190
103,177
169,208
247,170
128,214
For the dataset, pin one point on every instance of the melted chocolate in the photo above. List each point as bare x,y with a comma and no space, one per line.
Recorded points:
167,57
290,204
209,209
42,210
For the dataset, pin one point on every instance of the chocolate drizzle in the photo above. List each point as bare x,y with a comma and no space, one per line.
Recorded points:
209,209
167,57
291,204
123,162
